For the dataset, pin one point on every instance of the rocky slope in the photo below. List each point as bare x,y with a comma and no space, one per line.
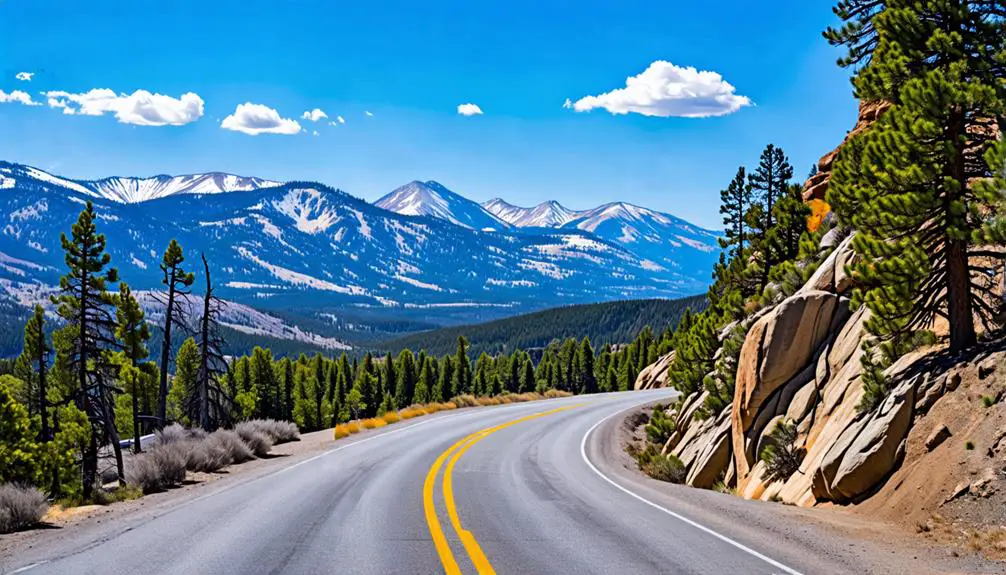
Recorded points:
931,454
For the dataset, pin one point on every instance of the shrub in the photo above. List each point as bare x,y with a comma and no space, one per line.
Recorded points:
256,440
988,400
342,430
171,434
969,445
143,472
666,468
20,507
391,417
660,427
465,401
208,455
414,411
372,423
171,460
278,431
781,455
231,442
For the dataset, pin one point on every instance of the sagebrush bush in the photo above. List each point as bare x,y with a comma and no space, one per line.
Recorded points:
171,460
171,434
341,430
208,455
144,472
391,417
257,441
278,431
20,507
237,449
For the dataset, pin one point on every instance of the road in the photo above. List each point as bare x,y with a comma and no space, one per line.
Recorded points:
535,489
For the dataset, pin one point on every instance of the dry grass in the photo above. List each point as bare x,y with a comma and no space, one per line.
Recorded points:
373,423
419,410
20,507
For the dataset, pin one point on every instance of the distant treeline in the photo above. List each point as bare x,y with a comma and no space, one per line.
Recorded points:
603,323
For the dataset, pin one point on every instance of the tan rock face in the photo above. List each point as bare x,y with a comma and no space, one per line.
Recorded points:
655,374
816,188
778,347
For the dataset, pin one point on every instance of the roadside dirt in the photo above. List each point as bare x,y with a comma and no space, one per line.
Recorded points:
889,543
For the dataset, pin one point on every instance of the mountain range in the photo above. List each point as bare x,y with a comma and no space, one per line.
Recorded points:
304,246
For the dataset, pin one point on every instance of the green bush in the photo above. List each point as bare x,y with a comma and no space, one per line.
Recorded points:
781,455
666,468
660,427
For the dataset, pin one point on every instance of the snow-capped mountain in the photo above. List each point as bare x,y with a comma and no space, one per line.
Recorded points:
307,245
550,214
656,237
434,200
135,190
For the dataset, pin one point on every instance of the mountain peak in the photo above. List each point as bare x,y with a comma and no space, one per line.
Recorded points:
433,199
548,214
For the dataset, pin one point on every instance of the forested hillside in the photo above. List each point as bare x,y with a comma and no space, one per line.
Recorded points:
612,322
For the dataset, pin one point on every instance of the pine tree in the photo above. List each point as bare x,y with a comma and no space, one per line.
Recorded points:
443,391
791,215
768,182
35,357
132,332
587,380
405,384
907,184
176,280
183,396
84,303
425,383
527,376
735,201
462,380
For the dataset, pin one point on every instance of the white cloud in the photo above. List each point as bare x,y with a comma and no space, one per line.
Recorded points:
314,115
666,90
17,97
340,119
255,119
24,76
314,133
469,110
567,104
141,108
368,113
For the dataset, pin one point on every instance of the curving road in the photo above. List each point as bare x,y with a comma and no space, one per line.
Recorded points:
538,494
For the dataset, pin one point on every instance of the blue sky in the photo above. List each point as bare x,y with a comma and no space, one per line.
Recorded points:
411,65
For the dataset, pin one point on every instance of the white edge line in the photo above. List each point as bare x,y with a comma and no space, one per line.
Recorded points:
679,517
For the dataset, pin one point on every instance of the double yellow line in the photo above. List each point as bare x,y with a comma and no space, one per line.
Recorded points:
482,565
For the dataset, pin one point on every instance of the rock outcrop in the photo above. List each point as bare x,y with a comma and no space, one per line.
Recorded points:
655,374
816,187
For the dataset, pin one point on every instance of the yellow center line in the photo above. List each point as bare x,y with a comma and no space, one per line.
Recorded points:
478,558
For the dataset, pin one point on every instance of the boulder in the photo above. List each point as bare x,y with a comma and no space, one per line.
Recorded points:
712,461
655,374
877,448
830,276
938,436
777,347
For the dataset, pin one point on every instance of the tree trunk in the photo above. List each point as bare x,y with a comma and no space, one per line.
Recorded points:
162,389
136,415
959,308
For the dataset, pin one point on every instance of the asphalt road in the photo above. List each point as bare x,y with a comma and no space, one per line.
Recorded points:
540,494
